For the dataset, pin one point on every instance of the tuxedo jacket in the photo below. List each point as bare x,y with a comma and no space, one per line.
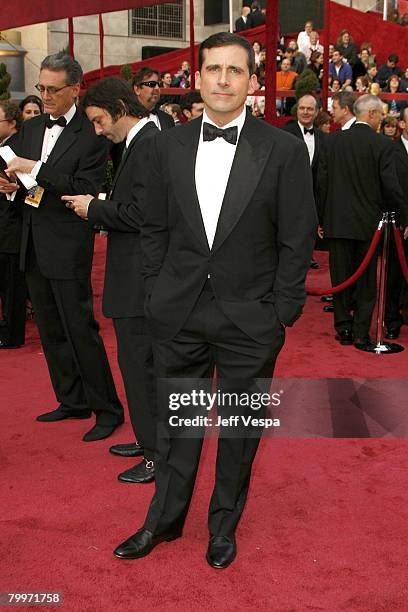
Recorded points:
401,160
263,242
293,128
241,25
10,218
63,242
357,182
122,215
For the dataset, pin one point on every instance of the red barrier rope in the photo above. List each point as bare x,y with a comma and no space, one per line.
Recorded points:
400,250
374,243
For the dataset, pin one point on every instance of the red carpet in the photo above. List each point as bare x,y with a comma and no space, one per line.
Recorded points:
325,527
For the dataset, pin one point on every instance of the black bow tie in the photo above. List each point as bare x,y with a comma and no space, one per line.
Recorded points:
61,121
308,131
211,132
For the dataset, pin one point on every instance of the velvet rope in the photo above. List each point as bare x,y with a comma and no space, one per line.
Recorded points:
400,250
347,283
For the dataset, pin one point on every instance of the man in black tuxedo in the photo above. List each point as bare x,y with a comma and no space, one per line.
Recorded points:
357,182
243,21
227,241
115,113
395,279
12,284
146,85
62,153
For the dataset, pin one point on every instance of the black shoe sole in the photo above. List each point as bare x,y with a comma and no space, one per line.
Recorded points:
219,567
136,481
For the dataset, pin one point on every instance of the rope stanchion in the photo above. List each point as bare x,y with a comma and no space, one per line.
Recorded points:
400,250
361,268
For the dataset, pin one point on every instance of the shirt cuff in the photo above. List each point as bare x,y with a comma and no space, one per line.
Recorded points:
11,196
36,170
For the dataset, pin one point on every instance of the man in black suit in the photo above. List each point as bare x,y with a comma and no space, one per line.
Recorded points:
146,85
243,21
395,279
12,284
357,182
227,240
115,113
256,17
61,152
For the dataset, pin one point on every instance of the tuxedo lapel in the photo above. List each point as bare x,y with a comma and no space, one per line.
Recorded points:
249,162
67,138
37,136
182,167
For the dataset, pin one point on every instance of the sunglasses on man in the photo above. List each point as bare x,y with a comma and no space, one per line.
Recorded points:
151,84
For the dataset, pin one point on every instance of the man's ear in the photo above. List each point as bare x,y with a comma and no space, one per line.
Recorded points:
197,79
253,84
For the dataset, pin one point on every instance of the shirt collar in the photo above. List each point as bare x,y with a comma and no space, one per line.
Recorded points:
136,129
238,122
348,123
69,115
404,142
301,127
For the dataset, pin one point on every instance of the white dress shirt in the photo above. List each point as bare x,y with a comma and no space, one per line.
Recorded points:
51,136
309,140
213,166
349,123
404,142
136,129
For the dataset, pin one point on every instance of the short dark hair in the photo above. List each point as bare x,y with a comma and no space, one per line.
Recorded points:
32,100
322,118
116,97
143,74
187,101
62,61
225,39
345,99
12,112
393,57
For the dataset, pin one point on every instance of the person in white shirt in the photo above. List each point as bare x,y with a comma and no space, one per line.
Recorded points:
303,39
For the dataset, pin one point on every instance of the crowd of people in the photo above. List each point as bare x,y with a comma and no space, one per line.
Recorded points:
210,230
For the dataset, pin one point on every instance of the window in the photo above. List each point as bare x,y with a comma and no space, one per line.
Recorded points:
159,21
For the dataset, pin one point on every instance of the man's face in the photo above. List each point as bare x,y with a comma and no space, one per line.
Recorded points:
148,96
285,65
307,110
289,55
308,27
338,112
331,51
197,109
337,59
245,11
292,45
57,97
7,128
372,72
105,125
225,82
391,64
403,124
167,79
185,66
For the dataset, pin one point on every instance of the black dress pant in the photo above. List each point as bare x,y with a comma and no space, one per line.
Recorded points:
74,350
135,357
395,284
353,307
206,340
14,294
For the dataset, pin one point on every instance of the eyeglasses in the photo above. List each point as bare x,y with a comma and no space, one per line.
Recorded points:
151,84
50,90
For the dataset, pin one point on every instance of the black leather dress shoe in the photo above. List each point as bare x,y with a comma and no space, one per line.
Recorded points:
345,336
100,432
363,344
314,264
326,298
61,413
6,345
141,473
141,544
393,333
221,551
133,449
328,308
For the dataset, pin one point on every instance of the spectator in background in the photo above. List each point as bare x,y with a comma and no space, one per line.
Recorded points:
299,62
362,84
369,47
166,79
386,70
372,74
166,83
146,87
30,107
347,47
361,66
331,51
285,79
393,16
323,122
393,86
389,127
334,88
192,105
340,70
404,81
182,77
316,65
243,22
313,46
404,20
256,17
303,39
174,111
256,45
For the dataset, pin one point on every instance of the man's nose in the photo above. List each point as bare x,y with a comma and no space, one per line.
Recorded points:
223,76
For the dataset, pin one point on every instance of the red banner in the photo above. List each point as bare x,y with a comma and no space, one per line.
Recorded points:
14,13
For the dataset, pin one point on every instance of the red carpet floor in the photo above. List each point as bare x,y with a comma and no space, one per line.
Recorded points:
325,528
